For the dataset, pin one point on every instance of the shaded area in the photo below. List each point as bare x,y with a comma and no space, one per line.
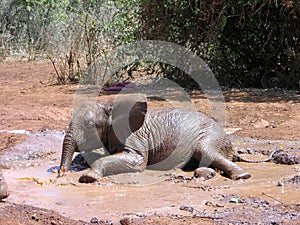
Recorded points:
252,95
262,95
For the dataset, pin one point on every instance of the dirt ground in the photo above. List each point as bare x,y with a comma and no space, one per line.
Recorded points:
29,101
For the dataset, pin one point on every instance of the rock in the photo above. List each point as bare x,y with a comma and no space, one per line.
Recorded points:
287,157
187,208
294,180
94,220
125,221
205,173
220,205
35,217
3,188
261,123
280,184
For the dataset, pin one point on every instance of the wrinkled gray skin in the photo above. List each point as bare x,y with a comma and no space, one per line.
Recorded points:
3,187
157,139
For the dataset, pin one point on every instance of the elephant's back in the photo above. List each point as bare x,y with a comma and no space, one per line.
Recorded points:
178,119
173,135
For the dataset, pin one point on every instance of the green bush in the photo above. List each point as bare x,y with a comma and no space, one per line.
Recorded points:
260,45
246,43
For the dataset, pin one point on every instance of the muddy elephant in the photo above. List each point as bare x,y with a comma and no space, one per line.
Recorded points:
136,137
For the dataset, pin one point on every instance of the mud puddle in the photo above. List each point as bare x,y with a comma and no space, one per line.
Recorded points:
28,171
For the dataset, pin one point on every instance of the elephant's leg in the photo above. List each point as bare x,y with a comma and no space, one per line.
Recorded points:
230,169
208,152
123,162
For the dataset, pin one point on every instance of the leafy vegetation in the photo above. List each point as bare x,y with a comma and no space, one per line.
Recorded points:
247,43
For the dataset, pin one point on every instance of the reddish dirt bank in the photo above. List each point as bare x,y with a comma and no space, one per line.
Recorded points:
30,102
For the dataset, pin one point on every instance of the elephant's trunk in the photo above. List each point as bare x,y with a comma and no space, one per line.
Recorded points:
69,146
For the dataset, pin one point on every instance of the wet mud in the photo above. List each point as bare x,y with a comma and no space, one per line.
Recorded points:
270,196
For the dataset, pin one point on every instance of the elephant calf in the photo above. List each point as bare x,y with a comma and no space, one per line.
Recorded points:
136,138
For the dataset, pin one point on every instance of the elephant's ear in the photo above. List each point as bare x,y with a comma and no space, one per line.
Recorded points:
128,113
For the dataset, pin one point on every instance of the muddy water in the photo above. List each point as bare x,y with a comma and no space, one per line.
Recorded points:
31,181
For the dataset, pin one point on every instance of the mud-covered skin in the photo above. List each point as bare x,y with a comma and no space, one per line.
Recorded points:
3,187
159,139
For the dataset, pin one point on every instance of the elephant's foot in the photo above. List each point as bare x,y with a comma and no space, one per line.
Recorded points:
204,173
90,177
243,175
232,170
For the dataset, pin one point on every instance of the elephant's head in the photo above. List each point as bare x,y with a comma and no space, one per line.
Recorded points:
102,124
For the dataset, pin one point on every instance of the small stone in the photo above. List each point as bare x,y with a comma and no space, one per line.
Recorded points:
140,214
261,123
280,183
94,220
220,205
234,200
256,206
125,221
208,203
58,203
34,217
186,208
108,222
203,172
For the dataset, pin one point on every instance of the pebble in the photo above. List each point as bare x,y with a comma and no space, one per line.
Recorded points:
186,208
140,214
220,205
34,217
280,183
94,220
125,221
205,173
